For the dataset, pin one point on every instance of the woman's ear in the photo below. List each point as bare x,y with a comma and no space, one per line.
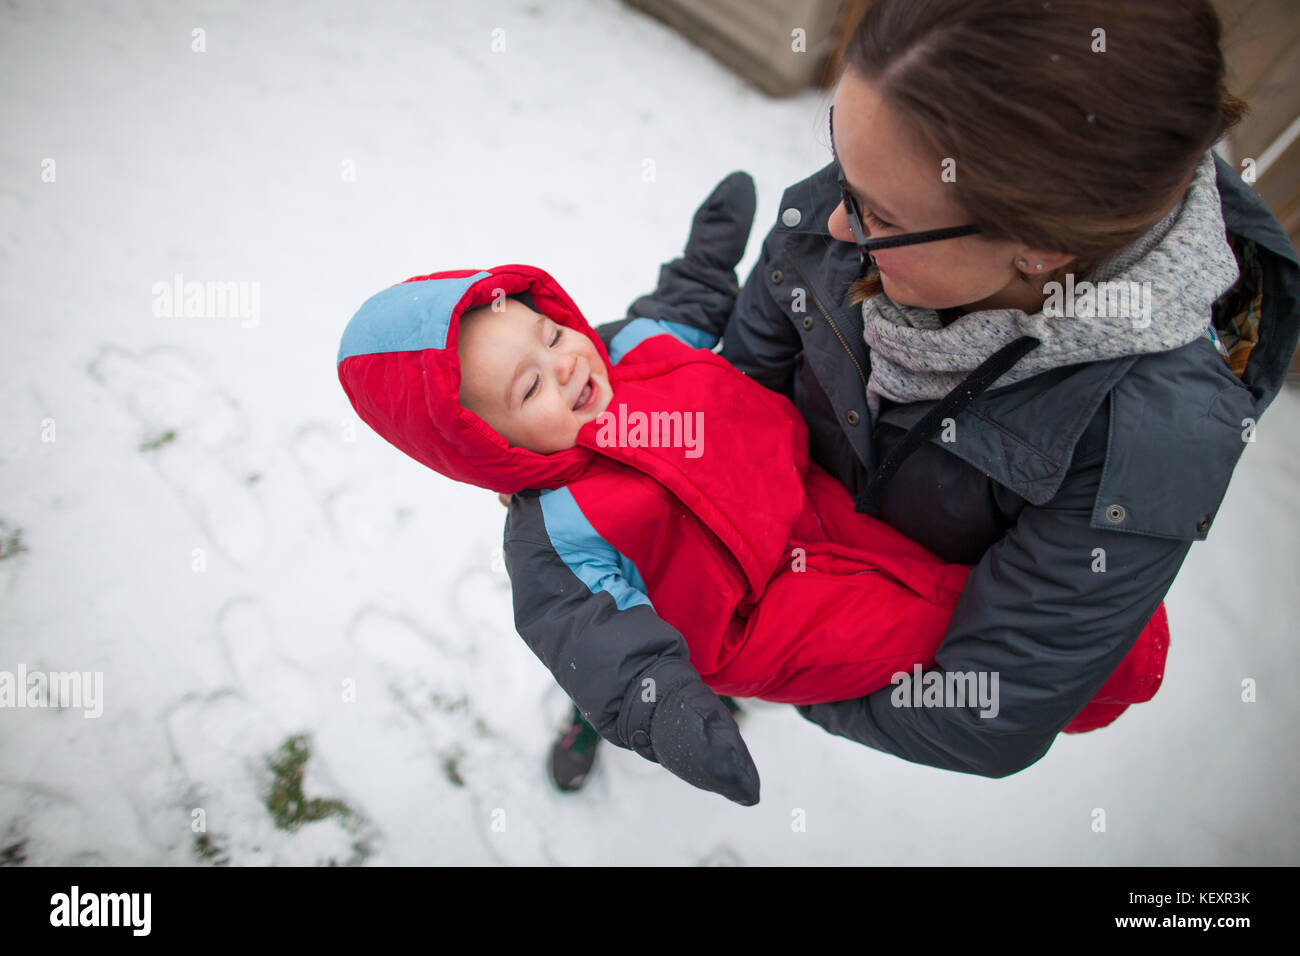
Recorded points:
1040,261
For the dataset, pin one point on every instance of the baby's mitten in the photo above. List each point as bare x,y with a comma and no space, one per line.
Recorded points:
672,717
695,736
720,229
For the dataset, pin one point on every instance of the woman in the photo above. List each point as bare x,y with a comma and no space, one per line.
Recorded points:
1039,157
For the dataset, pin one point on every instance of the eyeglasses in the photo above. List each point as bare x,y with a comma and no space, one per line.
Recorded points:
867,246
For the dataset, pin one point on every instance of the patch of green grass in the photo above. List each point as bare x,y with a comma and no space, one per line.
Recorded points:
461,704
361,851
11,543
451,767
14,855
210,851
291,808
158,442
449,704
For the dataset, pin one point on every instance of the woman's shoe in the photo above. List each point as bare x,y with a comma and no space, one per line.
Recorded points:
573,753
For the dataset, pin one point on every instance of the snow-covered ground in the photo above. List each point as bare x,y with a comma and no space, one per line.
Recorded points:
260,587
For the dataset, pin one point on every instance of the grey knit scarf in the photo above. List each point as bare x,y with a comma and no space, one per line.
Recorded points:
1161,286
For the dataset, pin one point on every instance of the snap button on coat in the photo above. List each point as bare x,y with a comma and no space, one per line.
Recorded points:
1115,513
851,417
791,217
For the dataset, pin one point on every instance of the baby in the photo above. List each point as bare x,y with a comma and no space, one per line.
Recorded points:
652,570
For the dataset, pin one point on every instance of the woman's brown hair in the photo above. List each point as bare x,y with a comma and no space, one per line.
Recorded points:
1065,137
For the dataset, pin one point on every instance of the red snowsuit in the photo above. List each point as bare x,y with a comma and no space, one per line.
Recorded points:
751,552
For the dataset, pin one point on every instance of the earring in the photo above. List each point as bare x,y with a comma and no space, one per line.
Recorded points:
1039,267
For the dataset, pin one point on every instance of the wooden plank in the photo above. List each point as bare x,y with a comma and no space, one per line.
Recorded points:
1261,44
1264,33
850,14
1231,11
1279,187
754,39
1274,105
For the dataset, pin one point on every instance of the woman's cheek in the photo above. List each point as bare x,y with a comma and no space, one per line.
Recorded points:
911,265
895,285
891,269
919,282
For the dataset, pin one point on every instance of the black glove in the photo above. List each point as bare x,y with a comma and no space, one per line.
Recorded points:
720,229
690,731
695,736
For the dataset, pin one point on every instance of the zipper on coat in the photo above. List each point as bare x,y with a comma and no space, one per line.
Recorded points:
831,322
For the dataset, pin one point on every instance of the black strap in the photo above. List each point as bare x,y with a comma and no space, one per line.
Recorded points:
988,372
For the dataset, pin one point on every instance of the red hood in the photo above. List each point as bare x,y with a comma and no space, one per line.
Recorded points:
397,363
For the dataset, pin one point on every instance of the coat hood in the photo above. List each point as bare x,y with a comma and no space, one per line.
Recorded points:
398,364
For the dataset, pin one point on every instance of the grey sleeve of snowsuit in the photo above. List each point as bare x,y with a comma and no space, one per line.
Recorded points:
599,654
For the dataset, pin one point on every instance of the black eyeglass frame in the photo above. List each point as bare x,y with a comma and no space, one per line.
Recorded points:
865,245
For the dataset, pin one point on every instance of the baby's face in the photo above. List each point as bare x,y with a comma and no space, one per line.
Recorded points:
533,380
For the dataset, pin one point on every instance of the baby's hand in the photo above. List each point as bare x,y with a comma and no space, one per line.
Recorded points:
720,228
674,719
504,499
694,736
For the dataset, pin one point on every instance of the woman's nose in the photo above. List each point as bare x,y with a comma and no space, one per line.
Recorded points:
838,224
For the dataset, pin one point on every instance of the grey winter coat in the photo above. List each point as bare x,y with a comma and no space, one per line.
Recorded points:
1130,455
